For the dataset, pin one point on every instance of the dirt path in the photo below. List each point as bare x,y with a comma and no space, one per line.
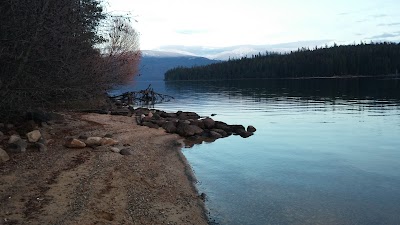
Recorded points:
97,186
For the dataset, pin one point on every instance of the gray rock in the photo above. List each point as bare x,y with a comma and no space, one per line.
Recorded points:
34,136
169,127
160,122
187,115
93,141
3,156
74,143
187,130
208,123
251,129
215,135
17,146
115,149
126,151
168,115
14,138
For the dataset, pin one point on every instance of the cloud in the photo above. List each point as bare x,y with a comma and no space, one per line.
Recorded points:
385,35
379,15
188,31
388,24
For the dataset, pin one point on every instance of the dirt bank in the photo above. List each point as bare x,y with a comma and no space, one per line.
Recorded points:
98,186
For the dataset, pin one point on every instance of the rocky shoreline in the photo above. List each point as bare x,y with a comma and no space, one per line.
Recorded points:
190,125
49,155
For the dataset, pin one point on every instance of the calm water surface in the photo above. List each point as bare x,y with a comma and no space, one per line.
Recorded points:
325,151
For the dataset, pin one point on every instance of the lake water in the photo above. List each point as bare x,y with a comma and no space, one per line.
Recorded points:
326,151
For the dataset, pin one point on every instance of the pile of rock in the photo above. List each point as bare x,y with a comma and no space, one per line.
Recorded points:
190,125
105,142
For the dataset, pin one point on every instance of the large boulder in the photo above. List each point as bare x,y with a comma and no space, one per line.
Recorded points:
187,130
222,126
34,136
221,132
150,124
169,127
74,143
208,123
3,156
187,115
245,134
237,129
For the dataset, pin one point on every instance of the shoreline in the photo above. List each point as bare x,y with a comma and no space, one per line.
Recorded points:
93,185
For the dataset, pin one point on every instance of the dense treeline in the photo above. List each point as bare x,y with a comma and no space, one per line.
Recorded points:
57,53
349,60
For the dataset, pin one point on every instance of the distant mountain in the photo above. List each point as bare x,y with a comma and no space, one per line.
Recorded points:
154,64
239,51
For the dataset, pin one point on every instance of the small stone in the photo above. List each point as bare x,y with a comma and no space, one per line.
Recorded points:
83,137
14,138
18,146
108,141
34,136
251,129
74,143
108,135
115,149
126,151
93,141
3,156
42,147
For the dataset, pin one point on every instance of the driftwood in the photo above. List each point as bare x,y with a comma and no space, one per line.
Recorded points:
144,97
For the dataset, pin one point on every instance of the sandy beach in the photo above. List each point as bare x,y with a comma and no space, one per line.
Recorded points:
154,185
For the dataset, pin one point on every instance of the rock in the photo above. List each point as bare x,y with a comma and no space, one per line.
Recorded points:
221,132
150,114
3,156
115,149
83,137
215,135
168,115
42,147
237,129
108,135
222,126
10,126
14,138
34,136
17,146
108,141
251,129
198,123
160,122
246,134
150,124
169,127
208,123
187,130
187,115
93,141
126,151
74,143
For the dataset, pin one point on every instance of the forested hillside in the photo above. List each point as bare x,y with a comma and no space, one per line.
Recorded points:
348,60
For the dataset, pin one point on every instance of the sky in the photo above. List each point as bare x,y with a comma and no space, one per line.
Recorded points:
222,23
